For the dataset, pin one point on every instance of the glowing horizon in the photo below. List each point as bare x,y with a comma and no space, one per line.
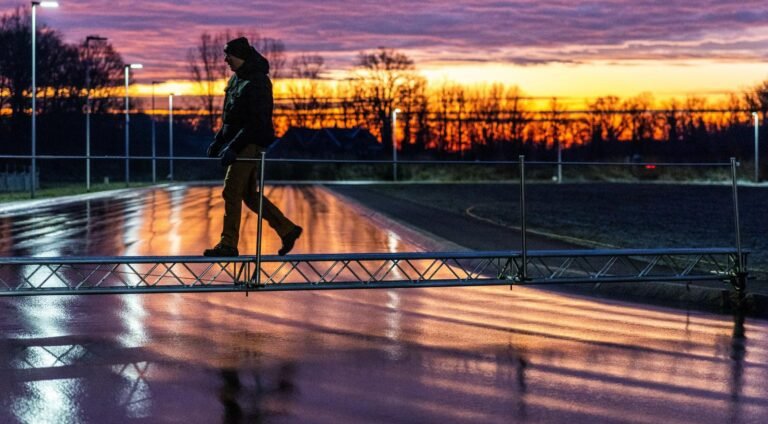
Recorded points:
573,85
547,48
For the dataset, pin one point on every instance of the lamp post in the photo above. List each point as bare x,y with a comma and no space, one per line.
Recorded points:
154,149
88,60
394,144
559,162
756,117
128,120
34,88
170,137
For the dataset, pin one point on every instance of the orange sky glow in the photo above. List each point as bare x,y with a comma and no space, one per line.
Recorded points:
571,50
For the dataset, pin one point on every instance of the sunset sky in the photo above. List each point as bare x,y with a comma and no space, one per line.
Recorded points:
570,49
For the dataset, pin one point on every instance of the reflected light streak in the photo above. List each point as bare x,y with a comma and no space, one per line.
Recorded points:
447,412
133,315
49,401
457,350
132,230
577,324
176,220
45,316
394,316
135,394
640,391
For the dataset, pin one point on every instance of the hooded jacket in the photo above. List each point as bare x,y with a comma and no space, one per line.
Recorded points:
248,104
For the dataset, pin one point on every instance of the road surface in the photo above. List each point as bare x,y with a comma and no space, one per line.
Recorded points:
490,355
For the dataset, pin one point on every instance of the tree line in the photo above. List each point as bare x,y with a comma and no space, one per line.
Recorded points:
496,121
65,73
436,120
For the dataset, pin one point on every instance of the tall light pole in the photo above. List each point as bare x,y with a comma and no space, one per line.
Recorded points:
170,137
394,144
757,145
559,162
34,87
88,60
154,137
128,120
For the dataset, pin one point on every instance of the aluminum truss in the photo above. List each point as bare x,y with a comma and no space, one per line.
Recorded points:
163,274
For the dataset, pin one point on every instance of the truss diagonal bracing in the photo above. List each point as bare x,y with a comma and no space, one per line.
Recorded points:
162,274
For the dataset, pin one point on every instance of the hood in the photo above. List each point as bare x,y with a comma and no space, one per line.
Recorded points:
254,63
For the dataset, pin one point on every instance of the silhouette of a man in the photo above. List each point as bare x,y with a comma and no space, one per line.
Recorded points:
247,131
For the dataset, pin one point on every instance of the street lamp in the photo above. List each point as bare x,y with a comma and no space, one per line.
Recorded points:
128,120
170,137
34,87
88,60
757,145
154,149
394,143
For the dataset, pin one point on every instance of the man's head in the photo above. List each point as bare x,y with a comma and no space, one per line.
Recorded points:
237,51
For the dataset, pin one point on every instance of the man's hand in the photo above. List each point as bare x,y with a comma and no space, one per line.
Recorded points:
228,157
213,149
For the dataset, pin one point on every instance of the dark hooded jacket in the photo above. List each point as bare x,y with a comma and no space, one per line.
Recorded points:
248,104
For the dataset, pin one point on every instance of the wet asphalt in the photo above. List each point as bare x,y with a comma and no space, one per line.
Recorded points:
481,354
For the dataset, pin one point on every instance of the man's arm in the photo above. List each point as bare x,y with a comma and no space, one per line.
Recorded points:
215,147
258,127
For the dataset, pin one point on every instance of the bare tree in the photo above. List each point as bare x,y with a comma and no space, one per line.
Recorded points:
640,119
15,68
307,66
672,121
412,97
207,67
757,99
61,75
382,77
516,107
106,72
305,100
557,124
486,104
274,50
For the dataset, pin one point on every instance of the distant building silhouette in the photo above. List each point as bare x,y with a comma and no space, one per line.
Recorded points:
327,143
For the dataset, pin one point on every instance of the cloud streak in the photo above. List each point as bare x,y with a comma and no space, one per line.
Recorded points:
520,32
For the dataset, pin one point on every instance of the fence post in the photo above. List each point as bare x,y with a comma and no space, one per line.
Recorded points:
740,279
559,163
259,219
523,272
170,137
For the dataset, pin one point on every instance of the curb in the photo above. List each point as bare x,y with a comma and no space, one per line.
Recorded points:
24,205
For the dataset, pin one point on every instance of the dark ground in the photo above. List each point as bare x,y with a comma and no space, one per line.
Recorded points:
483,217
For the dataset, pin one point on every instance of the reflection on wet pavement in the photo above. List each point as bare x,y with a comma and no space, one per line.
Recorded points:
417,355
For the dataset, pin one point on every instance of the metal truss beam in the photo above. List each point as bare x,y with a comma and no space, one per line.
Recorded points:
23,276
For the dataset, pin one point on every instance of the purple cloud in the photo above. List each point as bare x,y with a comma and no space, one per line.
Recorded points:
522,32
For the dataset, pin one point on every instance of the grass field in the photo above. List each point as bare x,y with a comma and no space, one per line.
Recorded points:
613,214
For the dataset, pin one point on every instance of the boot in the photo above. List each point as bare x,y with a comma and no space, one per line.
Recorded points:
289,240
221,251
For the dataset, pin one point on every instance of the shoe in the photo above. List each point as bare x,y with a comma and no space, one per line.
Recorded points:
221,251
289,240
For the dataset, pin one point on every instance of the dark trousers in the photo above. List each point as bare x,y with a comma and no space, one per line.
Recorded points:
242,185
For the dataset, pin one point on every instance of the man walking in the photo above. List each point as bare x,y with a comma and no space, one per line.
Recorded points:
247,131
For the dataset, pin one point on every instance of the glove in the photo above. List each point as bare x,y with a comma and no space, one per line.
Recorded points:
213,149
228,157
